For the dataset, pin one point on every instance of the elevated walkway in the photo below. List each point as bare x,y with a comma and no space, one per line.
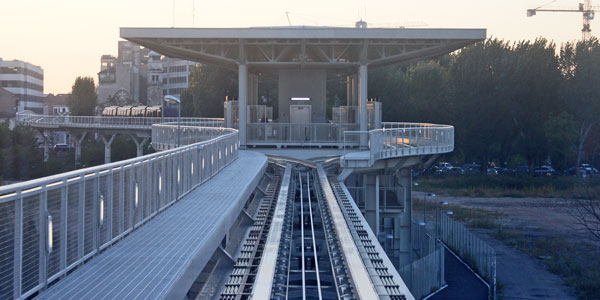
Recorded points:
163,257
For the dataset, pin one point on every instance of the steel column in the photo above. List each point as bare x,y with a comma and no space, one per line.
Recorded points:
363,116
242,101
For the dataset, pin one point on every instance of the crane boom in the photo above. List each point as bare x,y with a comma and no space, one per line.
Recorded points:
586,8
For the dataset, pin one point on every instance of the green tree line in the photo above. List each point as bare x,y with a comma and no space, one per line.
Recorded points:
521,102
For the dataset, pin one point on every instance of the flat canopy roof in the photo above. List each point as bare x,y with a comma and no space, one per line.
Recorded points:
303,47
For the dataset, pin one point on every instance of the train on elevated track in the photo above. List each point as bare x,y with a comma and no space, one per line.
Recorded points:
139,111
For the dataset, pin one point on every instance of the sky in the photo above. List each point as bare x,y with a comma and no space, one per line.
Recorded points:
68,37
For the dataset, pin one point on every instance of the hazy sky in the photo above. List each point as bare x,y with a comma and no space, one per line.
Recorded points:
67,37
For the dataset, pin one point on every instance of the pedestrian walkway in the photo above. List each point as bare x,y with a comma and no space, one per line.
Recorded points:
162,258
462,283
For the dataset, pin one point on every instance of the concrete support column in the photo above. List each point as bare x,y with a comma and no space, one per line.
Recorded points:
403,222
354,91
372,201
363,116
107,143
348,91
242,101
78,138
46,144
252,89
139,144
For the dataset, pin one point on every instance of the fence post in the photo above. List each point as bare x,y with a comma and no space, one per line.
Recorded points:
18,253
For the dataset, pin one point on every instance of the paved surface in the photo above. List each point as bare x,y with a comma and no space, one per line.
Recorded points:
462,283
160,257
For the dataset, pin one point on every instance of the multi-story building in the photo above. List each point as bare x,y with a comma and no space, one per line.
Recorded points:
122,79
175,75
8,105
26,82
137,75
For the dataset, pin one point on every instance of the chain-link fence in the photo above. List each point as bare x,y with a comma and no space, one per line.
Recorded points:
480,256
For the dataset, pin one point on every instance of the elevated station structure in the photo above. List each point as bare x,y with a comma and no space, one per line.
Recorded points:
204,219
300,58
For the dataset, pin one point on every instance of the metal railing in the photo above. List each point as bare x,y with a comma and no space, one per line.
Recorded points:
480,256
402,139
51,225
164,136
298,133
47,121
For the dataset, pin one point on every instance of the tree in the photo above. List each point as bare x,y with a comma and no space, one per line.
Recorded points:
586,212
535,83
480,78
581,66
208,86
83,99
561,133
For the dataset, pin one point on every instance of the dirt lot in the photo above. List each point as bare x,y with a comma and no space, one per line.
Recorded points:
523,276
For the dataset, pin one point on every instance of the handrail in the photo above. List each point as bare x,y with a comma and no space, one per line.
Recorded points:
398,139
51,225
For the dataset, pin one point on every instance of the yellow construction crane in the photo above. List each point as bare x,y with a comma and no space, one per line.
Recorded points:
585,8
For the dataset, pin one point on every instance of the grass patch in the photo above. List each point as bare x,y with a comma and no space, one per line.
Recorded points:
501,186
578,263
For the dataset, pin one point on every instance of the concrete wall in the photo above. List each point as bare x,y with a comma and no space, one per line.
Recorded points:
303,83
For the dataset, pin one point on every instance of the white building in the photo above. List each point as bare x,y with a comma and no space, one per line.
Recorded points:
26,81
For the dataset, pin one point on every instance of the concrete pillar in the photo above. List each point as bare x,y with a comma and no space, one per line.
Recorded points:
403,222
78,140
363,117
242,101
139,144
372,201
253,89
354,91
348,91
46,144
107,143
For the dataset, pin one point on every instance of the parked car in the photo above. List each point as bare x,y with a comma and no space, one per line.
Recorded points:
472,169
492,171
520,170
61,149
545,171
455,171
503,171
445,166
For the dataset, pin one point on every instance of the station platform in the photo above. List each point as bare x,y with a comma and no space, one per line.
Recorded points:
162,258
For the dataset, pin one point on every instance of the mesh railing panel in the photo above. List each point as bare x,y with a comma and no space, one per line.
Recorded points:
90,215
31,242
54,209
103,196
73,227
7,250
117,208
